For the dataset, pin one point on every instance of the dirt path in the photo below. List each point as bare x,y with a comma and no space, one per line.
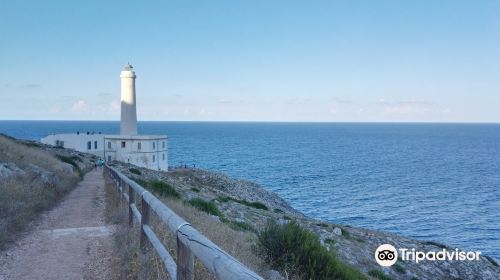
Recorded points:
72,241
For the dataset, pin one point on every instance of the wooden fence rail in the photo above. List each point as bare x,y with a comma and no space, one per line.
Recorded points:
190,242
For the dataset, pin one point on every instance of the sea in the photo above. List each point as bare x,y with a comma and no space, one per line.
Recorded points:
438,182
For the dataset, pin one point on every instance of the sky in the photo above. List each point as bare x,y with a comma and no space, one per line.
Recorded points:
258,60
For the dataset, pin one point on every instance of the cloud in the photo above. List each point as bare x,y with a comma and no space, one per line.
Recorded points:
114,107
55,109
79,106
224,101
296,100
104,94
339,100
408,107
31,85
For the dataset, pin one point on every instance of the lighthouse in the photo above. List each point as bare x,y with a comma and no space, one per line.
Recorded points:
128,124
148,151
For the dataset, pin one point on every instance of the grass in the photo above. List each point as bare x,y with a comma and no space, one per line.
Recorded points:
239,226
437,244
72,160
256,205
164,189
205,206
329,241
378,274
141,182
347,235
135,171
24,196
288,246
399,268
32,144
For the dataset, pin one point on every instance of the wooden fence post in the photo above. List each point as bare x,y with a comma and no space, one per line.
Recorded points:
131,200
144,221
185,261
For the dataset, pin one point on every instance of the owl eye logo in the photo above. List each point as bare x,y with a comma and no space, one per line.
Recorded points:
386,255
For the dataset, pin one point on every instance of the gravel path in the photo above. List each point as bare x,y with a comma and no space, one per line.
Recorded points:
72,241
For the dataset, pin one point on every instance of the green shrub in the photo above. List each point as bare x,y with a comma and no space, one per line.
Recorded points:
257,205
237,225
71,160
135,171
277,210
378,274
164,189
32,144
205,206
399,268
347,235
223,198
437,244
290,245
329,241
195,189
141,182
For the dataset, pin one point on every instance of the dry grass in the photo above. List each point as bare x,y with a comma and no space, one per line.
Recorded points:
136,265
44,181
25,156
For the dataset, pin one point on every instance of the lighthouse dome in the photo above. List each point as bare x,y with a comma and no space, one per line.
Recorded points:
128,67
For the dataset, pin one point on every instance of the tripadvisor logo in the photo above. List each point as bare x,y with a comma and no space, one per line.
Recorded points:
387,255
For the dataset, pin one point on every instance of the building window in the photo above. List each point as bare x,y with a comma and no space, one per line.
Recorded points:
163,144
139,146
123,144
163,156
154,158
89,145
109,158
109,145
95,145
154,145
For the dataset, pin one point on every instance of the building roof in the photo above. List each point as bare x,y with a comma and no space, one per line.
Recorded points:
135,137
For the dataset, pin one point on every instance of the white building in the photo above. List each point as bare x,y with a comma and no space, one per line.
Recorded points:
88,142
149,151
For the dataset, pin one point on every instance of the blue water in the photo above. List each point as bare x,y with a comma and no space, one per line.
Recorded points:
436,182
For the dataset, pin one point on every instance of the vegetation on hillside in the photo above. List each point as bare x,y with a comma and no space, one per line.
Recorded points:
294,249
39,179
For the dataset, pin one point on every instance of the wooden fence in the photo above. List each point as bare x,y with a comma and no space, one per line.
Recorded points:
190,242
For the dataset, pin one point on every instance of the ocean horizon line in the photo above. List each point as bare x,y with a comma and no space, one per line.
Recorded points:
260,121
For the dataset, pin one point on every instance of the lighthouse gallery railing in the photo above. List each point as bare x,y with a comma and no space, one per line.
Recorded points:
190,242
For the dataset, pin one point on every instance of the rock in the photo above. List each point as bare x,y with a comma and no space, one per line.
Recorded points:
337,231
9,169
273,275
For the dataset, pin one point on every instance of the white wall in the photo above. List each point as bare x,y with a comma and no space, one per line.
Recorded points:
78,142
152,155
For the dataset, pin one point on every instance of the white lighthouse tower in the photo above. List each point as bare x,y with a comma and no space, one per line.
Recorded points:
128,124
